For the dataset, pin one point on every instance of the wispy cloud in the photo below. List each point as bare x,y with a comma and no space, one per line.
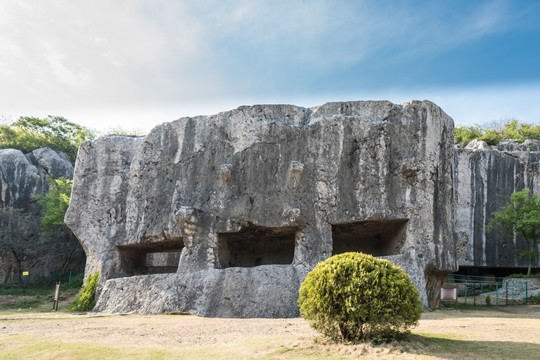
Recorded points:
71,56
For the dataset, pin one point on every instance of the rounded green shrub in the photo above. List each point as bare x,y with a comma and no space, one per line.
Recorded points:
356,297
85,301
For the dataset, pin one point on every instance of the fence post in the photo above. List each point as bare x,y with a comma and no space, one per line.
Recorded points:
466,286
496,292
481,290
56,296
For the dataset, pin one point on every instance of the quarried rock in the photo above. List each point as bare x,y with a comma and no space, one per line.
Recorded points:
225,215
485,178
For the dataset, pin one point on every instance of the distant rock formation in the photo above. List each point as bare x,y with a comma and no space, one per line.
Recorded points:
224,215
485,177
22,176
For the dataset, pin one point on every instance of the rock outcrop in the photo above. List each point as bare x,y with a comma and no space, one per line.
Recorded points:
21,177
485,177
224,215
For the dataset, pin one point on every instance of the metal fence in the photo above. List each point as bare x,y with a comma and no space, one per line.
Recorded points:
488,290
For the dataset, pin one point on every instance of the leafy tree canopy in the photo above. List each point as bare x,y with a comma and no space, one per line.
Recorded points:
510,130
54,204
521,216
30,133
118,130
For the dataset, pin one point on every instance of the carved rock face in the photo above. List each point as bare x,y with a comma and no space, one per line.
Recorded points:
225,215
485,178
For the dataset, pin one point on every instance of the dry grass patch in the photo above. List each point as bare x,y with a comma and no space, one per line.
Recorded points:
447,334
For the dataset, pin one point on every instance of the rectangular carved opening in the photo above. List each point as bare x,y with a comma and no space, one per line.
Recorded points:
374,237
151,258
256,245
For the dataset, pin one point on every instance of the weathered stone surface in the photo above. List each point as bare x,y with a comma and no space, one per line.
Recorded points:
21,177
55,164
255,197
484,180
476,145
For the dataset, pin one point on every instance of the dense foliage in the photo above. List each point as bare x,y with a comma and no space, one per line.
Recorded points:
54,204
520,217
357,297
55,132
118,130
492,136
86,300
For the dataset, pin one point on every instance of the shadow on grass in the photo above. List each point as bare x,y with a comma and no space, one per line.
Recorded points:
465,349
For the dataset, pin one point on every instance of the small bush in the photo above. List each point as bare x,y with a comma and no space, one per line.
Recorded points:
85,301
355,297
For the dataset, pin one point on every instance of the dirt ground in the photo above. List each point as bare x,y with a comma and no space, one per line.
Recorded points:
171,330
518,327
151,330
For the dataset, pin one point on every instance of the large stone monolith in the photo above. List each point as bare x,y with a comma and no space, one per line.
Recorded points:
224,215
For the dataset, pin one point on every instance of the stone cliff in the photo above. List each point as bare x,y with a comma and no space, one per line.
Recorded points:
485,177
224,215
22,176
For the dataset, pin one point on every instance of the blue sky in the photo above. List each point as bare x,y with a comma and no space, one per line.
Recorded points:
136,63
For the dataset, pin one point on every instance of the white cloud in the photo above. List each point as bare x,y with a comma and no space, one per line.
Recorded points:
467,106
146,62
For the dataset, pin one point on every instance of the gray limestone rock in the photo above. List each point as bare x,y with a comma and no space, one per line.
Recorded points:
508,145
476,145
530,145
245,203
56,164
484,180
21,177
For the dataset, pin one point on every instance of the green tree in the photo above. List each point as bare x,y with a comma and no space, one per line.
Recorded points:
357,297
520,217
54,204
118,130
29,133
492,137
512,129
465,134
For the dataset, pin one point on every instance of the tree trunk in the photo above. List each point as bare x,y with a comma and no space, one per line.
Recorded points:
19,264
